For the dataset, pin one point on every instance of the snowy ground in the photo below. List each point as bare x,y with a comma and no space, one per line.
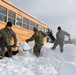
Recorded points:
51,62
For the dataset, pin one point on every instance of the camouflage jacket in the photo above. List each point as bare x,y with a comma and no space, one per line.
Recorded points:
6,35
38,37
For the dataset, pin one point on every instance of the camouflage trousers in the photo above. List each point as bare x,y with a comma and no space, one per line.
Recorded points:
4,49
37,49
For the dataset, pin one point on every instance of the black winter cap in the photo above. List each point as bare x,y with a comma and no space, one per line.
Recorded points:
35,29
9,24
59,28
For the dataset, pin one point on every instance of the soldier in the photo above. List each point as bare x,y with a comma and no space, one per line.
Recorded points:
38,36
60,35
50,35
5,36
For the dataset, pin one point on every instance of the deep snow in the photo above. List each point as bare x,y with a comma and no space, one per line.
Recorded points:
51,62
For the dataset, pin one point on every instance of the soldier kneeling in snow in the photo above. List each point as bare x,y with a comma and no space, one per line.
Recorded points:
5,36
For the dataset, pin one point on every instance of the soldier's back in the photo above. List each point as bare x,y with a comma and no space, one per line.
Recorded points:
39,37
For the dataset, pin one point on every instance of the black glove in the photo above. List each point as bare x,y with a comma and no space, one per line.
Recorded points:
27,41
14,45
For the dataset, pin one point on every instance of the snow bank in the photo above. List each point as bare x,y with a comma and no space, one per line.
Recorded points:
51,62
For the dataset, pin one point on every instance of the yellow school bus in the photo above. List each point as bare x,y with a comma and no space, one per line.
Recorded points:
23,23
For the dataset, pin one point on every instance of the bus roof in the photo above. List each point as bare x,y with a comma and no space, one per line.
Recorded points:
6,1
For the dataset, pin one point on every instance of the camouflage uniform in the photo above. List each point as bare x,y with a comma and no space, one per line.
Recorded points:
38,37
5,37
60,39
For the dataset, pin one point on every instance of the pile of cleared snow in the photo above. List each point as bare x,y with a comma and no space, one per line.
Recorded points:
64,63
51,62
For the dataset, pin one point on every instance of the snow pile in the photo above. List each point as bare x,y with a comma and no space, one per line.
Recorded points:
24,46
51,62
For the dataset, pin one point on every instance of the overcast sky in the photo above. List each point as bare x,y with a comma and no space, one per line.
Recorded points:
52,12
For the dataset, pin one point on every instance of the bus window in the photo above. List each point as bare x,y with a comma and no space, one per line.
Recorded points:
11,17
46,30
36,25
39,27
32,25
19,20
3,13
43,29
26,23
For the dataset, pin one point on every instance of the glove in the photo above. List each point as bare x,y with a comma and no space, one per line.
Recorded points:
27,41
69,35
14,45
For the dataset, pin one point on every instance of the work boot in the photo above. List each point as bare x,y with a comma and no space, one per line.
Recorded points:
61,50
37,54
1,57
53,48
